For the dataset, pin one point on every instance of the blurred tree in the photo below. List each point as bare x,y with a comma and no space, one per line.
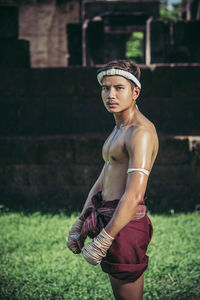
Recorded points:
134,47
169,12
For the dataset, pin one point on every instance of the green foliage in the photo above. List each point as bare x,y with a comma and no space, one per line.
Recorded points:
35,263
169,14
134,47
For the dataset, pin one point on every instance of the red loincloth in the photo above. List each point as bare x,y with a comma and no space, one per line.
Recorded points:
126,259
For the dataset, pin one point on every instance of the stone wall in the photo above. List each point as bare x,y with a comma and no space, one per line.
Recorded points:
67,100
44,26
174,180
175,42
146,7
57,172
49,32
53,124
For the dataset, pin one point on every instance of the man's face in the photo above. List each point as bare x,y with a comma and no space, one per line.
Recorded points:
117,93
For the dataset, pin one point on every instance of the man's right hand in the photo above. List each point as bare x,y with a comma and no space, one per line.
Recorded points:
74,241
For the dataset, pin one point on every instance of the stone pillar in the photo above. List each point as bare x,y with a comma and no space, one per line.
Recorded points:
84,42
148,42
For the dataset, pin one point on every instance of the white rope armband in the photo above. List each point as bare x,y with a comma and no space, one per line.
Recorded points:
139,170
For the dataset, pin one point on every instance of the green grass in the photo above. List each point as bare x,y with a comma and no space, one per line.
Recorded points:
35,263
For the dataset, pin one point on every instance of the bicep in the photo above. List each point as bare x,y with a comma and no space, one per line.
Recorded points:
136,185
140,150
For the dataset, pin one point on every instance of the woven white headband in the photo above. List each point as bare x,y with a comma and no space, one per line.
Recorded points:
111,72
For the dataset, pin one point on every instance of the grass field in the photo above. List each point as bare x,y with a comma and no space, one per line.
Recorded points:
35,263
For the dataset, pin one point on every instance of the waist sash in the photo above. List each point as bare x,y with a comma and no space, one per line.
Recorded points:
100,211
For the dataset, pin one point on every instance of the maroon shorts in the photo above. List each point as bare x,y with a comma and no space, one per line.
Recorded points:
126,259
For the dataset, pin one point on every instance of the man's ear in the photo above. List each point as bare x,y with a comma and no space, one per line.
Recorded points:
136,92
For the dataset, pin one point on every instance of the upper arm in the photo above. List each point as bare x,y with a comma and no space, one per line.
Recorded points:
140,146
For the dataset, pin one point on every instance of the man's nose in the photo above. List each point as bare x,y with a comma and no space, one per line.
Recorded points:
111,93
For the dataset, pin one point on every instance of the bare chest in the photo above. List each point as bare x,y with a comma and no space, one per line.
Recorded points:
114,147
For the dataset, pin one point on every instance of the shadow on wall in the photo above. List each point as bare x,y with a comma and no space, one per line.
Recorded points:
14,53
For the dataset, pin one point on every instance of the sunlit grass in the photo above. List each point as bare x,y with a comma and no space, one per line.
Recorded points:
35,263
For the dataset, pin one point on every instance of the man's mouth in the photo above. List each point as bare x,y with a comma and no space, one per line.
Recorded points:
112,104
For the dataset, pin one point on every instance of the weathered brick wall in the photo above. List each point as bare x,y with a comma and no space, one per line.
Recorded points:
48,172
44,26
53,124
174,180
57,172
67,100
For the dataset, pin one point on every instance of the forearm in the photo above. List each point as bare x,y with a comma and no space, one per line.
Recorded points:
123,214
75,241
95,189
94,251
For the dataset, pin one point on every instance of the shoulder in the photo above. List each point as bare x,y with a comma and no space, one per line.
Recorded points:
145,132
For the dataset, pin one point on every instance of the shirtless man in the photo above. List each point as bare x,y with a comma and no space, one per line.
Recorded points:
115,213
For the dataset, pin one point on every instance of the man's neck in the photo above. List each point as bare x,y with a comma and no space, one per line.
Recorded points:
125,117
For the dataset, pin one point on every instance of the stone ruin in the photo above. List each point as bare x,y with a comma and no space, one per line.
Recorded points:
57,33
